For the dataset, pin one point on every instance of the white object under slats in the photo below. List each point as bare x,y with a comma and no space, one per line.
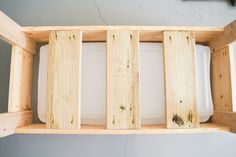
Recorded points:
93,83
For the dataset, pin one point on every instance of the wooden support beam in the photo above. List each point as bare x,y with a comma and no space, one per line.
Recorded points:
147,33
123,97
224,38
180,80
10,121
64,63
12,33
20,80
221,79
226,118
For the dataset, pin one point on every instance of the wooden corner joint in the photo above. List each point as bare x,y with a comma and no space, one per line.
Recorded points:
226,118
12,120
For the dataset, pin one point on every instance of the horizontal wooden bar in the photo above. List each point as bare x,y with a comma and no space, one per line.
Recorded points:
101,129
225,118
10,121
147,33
12,33
224,38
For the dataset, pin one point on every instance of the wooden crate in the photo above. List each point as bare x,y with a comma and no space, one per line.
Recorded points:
123,91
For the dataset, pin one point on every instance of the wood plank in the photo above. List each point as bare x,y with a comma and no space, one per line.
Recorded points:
101,130
224,38
20,80
10,121
12,33
221,80
123,80
63,97
226,118
180,80
147,33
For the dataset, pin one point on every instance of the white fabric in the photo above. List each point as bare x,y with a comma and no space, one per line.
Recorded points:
93,99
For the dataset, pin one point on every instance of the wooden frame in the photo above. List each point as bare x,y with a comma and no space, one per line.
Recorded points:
24,40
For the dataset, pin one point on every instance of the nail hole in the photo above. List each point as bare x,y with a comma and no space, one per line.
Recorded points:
113,37
122,107
113,120
180,101
131,36
72,119
188,39
190,117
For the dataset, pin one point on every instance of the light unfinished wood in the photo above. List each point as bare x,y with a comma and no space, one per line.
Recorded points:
123,80
224,38
226,118
64,63
12,33
100,129
221,80
147,33
20,80
180,80
10,121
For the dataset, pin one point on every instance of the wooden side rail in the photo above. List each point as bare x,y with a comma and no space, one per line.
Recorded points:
223,77
10,121
19,101
20,80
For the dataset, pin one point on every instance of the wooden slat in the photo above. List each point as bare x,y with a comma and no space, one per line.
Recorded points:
100,129
63,97
20,80
12,33
226,118
180,80
147,33
123,80
221,80
224,38
10,121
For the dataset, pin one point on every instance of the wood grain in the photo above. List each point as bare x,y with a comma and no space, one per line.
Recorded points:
10,121
12,33
20,80
221,80
225,118
101,130
123,97
224,38
63,92
180,80
147,33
